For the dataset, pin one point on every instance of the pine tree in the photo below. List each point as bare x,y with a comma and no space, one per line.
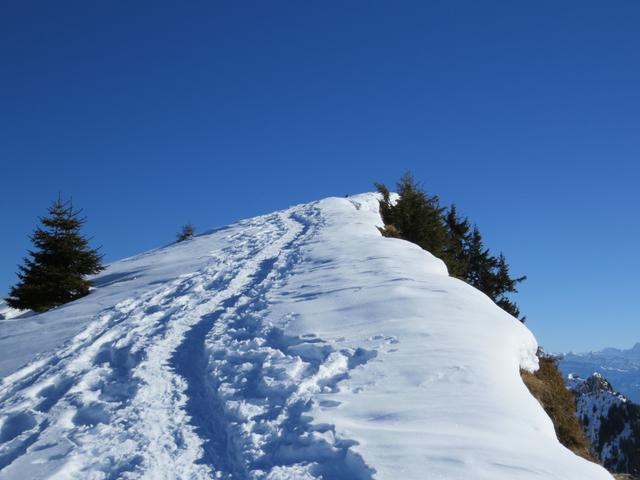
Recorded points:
459,239
419,218
507,285
56,270
480,264
186,233
386,208
491,275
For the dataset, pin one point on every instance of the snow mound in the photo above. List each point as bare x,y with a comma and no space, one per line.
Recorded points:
6,312
296,345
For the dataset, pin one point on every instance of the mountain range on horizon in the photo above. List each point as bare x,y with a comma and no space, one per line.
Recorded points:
621,367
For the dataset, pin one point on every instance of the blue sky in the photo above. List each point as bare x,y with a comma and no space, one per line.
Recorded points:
154,114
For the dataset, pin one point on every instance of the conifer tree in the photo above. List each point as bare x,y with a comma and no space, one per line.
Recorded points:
491,275
416,216
56,270
459,239
386,207
480,264
419,218
186,233
507,285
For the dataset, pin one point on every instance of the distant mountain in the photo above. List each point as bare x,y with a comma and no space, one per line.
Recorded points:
610,420
620,367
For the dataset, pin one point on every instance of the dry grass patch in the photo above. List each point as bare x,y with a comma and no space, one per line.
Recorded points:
548,387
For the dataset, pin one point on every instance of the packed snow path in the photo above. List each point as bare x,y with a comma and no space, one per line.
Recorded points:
136,393
296,345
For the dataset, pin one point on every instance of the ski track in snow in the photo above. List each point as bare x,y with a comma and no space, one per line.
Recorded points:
188,380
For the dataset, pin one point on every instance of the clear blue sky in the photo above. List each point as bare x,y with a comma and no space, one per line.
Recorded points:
525,114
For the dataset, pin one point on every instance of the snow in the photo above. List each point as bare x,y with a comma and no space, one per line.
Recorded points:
6,312
296,345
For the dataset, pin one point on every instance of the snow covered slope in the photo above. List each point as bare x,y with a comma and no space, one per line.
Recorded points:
621,367
296,345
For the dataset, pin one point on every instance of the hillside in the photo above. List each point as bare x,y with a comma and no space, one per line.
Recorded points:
296,345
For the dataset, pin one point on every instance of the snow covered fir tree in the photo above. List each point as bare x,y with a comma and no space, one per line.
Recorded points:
55,271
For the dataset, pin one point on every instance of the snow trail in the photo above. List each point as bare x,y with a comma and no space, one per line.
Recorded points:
264,380
144,390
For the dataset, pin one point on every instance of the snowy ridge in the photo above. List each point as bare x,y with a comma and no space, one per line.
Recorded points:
296,345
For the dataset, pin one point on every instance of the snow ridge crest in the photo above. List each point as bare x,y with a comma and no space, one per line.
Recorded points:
296,345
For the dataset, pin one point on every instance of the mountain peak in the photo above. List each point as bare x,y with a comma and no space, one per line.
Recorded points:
592,384
611,422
